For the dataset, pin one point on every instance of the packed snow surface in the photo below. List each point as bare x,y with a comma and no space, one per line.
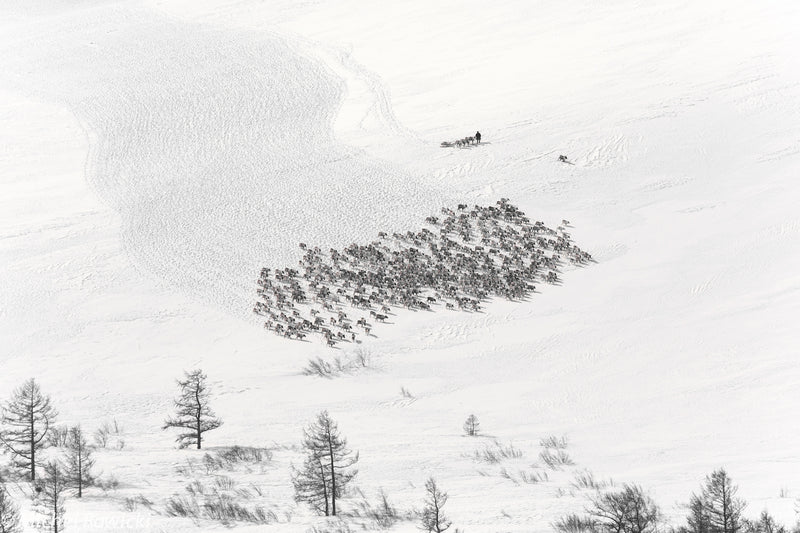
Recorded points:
156,154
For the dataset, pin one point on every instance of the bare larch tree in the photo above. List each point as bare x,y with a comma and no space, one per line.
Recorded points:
312,484
193,412
697,520
328,466
432,518
50,498
9,513
78,461
26,420
629,510
472,426
722,508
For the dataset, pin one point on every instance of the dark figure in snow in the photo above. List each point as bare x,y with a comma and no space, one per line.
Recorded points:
477,137
562,158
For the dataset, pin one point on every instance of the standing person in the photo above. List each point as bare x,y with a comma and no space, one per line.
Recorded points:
478,137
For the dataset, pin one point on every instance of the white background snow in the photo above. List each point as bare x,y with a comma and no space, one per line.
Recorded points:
155,154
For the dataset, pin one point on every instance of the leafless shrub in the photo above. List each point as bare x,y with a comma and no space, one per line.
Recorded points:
559,443
338,366
108,430
629,510
318,367
505,474
575,524
107,483
533,477
101,438
9,512
497,453
338,527
215,505
243,493
362,357
383,515
585,480
58,436
228,459
765,523
131,504
186,469
224,482
182,506
225,510
555,459
212,463
243,454
195,488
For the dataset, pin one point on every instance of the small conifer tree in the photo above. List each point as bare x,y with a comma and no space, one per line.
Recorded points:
472,426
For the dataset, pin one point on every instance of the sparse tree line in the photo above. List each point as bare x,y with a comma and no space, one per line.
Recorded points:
28,427
58,460
715,509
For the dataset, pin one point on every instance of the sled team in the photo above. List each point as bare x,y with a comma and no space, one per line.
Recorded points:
474,139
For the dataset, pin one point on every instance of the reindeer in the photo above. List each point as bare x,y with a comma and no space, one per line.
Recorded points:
477,253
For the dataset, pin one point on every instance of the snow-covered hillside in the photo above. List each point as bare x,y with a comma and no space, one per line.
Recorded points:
156,154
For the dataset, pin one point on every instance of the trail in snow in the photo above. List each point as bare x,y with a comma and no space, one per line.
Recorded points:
217,148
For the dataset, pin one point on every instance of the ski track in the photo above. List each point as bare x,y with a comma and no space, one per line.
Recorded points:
218,150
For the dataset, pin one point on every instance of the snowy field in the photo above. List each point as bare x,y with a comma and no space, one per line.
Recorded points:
156,154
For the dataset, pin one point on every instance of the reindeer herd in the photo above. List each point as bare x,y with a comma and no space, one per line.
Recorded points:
468,256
